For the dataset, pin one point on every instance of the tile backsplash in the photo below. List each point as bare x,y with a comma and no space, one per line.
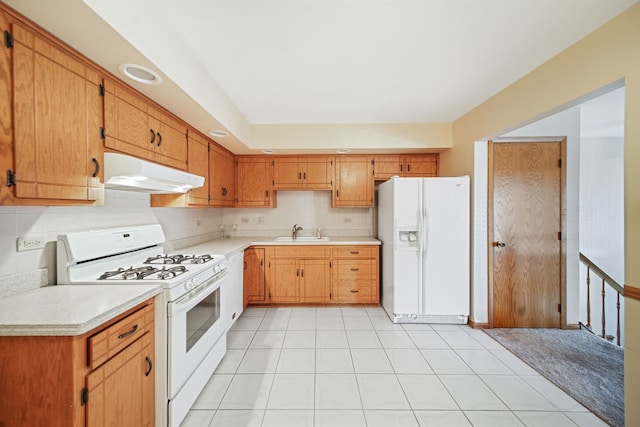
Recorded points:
309,209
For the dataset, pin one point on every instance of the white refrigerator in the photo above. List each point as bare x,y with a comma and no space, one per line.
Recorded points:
423,224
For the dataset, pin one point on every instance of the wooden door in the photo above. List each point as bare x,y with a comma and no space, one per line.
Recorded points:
222,177
116,392
384,167
199,165
253,182
254,276
317,173
171,140
425,165
286,174
314,280
53,107
126,122
526,248
285,281
354,182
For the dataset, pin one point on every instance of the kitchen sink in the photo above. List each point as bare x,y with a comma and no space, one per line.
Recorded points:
301,239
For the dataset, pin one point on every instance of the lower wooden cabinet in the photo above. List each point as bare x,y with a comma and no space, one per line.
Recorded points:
355,274
104,377
254,278
312,275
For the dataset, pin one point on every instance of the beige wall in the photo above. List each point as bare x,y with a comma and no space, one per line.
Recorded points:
409,137
601,58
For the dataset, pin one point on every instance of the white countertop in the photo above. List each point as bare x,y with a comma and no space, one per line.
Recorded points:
68,310
230,246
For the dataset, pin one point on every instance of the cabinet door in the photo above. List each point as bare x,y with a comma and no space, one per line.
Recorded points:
317,173
384,167
171,140
198,163
354,182
116,389
222,177
286,173
126,122
424,165
285,281
314,280
56,153
254,276
254,183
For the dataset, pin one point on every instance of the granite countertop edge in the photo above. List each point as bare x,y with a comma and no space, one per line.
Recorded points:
230,246
32,313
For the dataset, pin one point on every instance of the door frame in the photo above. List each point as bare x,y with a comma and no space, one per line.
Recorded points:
563,220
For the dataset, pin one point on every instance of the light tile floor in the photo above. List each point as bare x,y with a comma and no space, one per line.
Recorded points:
350,366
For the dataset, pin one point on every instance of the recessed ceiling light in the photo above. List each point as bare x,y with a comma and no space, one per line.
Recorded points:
268,151
218,133
343,151
140,74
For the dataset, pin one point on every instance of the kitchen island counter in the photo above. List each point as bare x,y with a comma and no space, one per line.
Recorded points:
68,310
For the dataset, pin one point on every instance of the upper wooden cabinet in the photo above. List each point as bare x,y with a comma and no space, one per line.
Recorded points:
408,165
198,164
51,147
133,126
222,177
303,173
254,179
353,182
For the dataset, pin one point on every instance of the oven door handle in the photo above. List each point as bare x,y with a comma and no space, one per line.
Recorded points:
191,299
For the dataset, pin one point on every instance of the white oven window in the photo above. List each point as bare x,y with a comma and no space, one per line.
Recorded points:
201,317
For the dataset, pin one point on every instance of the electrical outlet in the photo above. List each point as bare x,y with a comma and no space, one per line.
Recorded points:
198,223
260,220
244,220
347,220
30,243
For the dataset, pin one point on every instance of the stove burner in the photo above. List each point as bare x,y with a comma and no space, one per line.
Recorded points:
179,259
146,272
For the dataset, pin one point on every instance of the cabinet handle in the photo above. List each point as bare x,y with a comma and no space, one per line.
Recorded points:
302,272
297,272
408,167
150,363
245,265
355,269
355,252
159,139
266,194
304,175
153,136
337,194
97,167
401,165
224,191
128,333
299,175
354,291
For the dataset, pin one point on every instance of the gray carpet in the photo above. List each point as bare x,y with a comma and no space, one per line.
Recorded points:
585,366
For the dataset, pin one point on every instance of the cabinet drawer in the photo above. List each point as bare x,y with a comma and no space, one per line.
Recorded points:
116,337
298,252
354,269
354,292
354,252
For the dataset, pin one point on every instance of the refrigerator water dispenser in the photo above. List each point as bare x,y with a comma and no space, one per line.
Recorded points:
408,239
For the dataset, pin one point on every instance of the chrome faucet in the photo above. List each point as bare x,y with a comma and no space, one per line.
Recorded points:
294,231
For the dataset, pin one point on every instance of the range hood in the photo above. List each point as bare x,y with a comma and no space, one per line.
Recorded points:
123,172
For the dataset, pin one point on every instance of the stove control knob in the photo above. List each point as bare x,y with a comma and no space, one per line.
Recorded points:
196,283
188,285
222,266
216,268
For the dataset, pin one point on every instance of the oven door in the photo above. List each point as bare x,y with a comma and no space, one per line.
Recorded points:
195,324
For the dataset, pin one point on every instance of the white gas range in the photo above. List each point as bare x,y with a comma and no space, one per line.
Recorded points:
190,329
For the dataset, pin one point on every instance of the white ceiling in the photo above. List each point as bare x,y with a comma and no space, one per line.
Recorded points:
236,63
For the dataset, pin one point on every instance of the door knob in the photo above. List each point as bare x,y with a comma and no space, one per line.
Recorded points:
500,244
